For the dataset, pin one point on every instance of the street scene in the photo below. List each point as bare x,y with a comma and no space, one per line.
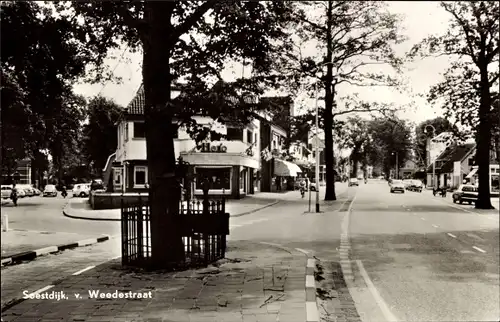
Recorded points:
251,161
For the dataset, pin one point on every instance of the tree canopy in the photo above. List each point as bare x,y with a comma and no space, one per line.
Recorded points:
100,133
350,38
467,90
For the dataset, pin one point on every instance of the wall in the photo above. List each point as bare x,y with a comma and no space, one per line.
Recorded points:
99,201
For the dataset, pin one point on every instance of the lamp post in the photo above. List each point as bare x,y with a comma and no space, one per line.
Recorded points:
317,154
434,160
397,165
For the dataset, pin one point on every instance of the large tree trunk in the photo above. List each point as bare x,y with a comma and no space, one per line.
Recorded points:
328,112
483,143
166,242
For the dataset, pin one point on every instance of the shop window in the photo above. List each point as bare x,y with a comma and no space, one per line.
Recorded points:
139,130
250,137
219,178
117,175
215,136
234,134
140,176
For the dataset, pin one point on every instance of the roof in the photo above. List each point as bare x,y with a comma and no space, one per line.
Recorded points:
452,154
136,105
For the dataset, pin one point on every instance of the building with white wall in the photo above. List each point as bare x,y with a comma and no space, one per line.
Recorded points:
230,164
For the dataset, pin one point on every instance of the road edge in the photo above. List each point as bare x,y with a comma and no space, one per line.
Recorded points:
66,214
31,255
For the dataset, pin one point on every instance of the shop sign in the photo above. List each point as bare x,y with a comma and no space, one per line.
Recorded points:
208,148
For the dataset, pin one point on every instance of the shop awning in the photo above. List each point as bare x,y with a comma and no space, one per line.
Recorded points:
472,173
284,168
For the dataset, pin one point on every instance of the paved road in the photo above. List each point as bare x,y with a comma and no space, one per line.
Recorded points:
45,214
427,260
411,267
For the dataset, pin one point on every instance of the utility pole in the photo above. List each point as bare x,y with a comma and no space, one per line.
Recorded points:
317,154
397,165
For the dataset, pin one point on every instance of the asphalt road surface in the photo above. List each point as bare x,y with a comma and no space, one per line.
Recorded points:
45,214
413,257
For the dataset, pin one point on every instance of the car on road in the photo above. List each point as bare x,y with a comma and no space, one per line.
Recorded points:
353,182
50,191
28,190
37,192
397,185
81,190
415,185
6,191
465,193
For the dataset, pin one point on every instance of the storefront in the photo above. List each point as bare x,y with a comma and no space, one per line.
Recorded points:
230,174
494,178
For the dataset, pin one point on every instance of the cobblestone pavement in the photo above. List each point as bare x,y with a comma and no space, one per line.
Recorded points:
33,275
255,282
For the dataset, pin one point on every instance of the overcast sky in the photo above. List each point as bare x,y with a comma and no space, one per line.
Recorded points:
421,18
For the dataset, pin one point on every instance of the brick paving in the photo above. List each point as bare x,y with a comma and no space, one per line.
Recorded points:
255,282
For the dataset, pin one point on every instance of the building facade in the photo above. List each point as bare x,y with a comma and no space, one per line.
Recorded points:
23,169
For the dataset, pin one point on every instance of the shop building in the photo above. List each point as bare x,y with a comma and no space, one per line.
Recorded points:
231,164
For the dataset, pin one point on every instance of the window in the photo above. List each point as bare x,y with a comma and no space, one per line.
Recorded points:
219,178
234,134
255,139
250,137
126,132
140,176
117,174
215,136
139,130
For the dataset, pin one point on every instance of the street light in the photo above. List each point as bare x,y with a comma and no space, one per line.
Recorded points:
317,154
434,160
397,165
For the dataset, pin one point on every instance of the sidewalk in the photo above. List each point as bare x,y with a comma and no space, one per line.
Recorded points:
80,208
255,282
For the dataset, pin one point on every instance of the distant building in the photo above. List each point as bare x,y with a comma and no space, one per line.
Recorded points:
24,170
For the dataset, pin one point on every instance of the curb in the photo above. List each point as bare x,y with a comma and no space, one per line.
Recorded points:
31,255
312,313
65,213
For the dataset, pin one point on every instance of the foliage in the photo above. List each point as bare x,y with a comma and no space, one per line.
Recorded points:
440,124
13,116
351,38
45,54
376,141
466,91
100,133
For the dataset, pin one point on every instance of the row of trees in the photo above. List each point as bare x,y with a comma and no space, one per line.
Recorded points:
191,42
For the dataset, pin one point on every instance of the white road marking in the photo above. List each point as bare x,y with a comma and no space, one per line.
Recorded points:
423,218
310,281
311,263
451,235
43,289
311,312
479,249
435,226
235,226
83,270
380,301
302,250
272,244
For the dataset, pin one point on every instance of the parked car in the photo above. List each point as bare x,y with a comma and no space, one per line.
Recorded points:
37,192
353,182
29,191
407,183
50,191
415,185
465,193
397,185
6,191
81,190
